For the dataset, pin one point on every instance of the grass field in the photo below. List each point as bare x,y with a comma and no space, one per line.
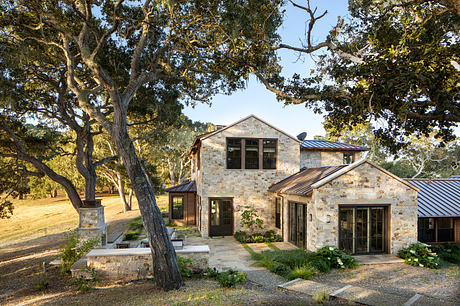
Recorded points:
36,218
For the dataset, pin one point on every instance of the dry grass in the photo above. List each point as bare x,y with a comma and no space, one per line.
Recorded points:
37,218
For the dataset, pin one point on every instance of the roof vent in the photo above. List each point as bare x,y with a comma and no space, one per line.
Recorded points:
302,136
218,127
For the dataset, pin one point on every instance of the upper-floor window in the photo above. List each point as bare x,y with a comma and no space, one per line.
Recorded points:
348,158
251,153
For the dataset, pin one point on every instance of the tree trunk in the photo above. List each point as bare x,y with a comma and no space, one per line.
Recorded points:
121,192
130,199
165,267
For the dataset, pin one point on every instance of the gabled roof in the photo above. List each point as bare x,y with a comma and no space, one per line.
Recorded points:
189,186
301,182
438,197
326,145
207,135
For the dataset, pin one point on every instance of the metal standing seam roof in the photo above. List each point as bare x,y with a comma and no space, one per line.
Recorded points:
438,197
330,145
189,186
300,183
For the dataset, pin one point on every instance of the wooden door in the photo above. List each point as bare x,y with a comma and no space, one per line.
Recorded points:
220,217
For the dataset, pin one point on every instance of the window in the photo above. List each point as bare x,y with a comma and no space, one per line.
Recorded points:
251,152
348,158
177,207
198,160
278,212
269,154
445,229
426,230
233,153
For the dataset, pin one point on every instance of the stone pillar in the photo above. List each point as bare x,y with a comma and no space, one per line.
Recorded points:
92,221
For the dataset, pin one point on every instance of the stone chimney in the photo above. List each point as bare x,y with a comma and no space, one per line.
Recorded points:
92,221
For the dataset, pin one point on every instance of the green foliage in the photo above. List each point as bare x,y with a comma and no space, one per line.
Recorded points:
420,254
129,236
84,284
250,219
321,296
268,236
136,229
448,252
230,278
74,249
300,263
42,285
185,265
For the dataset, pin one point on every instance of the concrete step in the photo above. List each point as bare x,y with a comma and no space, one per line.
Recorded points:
372,297
309,287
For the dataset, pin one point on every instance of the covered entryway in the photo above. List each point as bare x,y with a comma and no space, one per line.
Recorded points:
363,229
221,217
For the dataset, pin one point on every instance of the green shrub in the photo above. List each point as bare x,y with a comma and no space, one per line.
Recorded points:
304,272
210,273
74,249
420,254
448,252
230,278
336,258
281,269
250,219
42,285
185,265
321,297
85,284
268,236
129,236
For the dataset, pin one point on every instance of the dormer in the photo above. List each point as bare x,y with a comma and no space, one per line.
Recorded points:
319,153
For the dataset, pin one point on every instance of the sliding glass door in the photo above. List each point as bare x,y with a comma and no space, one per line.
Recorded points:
362,229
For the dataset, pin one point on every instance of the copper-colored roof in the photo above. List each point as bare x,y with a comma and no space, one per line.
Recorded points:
438,197
330,145
189,186
300,183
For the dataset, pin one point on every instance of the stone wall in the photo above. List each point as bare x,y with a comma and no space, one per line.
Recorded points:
314,159
366,185
136,263
246,187
310,159
92,224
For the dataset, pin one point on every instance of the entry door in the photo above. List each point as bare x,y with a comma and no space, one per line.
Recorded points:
362,229
297,224
221,217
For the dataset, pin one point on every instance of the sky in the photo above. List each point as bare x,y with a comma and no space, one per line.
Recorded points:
257,100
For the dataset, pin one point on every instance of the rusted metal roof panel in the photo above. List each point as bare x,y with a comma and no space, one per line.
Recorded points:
300,183
189,186
330,145
438,197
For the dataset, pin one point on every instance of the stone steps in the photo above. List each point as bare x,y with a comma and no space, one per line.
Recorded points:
359,295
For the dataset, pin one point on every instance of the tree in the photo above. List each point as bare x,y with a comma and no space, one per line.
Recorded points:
193,48
395,62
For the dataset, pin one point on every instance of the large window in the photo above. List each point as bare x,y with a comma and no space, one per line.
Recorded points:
348,158
269,154
251,153
177,207
278,212
233,153
435,229
426,231
445,229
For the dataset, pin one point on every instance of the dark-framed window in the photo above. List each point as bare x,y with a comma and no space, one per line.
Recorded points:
445,229
233,153
269,154
426,230
177,207
251,153
348,158
278,212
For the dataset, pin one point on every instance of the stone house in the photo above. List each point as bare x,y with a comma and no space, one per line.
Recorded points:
313,193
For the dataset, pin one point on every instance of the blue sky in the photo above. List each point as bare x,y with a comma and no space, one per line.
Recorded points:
255,99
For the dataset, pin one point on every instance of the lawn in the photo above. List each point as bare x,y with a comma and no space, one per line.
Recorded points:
37,218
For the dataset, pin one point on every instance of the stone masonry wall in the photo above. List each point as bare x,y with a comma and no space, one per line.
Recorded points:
363,185
314,159
310,159
246,187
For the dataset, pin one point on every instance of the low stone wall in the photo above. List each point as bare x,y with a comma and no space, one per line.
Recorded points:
136,263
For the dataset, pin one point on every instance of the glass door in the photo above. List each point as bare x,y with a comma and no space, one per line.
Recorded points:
221,217
297,224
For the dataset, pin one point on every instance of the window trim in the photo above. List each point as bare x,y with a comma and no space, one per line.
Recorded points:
243,153
172,207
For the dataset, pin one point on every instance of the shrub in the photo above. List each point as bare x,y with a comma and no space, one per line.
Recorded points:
336,258
448,252
185,265
321,297
304,272
42,285
210,273
230,278
420,254
85,284
74,249
131,236
281,269
268,236
250,219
